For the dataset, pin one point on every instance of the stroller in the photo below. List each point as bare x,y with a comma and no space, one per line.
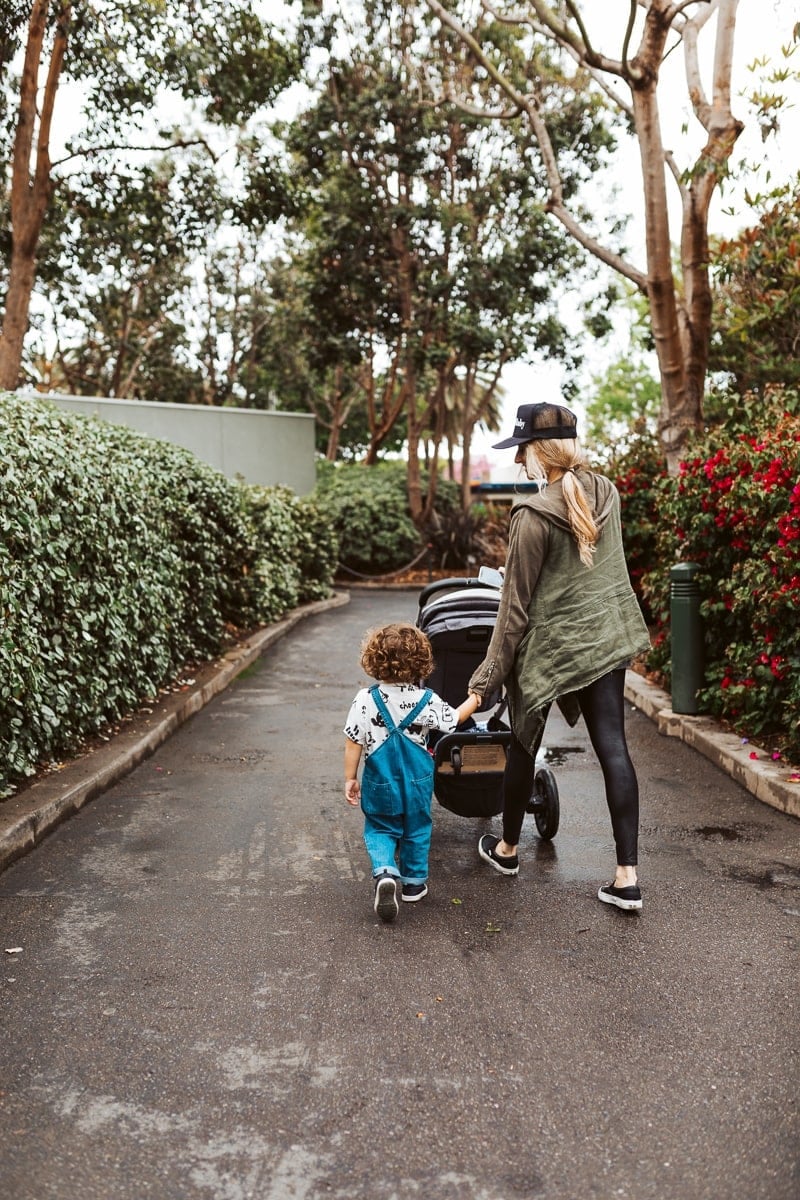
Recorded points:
458,616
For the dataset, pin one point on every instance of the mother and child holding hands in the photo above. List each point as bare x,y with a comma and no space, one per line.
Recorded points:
567,627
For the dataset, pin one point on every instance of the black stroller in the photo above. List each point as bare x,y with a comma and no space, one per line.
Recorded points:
458,616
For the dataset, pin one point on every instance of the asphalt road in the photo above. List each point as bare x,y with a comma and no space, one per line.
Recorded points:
204,1005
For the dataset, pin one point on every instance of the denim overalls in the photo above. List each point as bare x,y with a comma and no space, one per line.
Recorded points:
396,791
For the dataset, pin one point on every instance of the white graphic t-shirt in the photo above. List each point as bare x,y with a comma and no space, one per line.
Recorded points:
365,725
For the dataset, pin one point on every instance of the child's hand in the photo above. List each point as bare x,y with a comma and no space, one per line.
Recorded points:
352,792
470,705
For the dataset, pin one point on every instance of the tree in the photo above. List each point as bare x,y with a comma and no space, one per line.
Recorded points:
120,296
680,307
429,254
219,56
756,338
624,402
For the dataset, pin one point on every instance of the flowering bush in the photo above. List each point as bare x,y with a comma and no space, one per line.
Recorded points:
636,473
735,510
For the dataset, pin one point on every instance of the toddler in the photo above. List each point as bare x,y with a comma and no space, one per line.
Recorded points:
389,722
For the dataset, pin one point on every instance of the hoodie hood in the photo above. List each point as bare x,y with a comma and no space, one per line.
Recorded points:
599,491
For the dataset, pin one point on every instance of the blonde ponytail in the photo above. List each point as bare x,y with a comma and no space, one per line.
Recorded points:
580,517
561,458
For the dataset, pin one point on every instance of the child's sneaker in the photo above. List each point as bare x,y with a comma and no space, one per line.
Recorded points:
506,865
414,891
385,903
628,898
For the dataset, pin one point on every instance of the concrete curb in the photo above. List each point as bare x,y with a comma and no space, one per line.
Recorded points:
766,780
27,818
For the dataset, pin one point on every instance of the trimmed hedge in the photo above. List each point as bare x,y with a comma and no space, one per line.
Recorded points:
122,558
368,507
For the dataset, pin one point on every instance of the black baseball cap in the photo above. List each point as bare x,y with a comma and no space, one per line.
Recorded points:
524,430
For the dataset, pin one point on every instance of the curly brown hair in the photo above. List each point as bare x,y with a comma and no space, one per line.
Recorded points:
398,653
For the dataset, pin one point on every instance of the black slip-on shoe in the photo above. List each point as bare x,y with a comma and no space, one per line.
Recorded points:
629,898
414,891
506,865
385,903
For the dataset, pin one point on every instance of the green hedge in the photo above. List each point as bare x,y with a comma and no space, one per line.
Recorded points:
122,558
368,508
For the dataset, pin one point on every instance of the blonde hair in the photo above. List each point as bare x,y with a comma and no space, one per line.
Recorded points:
550,459
398,653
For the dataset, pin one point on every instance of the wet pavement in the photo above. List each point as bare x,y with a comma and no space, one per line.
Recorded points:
203,1004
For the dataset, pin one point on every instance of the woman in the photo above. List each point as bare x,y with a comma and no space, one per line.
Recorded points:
568,625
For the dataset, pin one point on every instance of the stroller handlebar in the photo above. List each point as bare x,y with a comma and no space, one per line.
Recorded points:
443,585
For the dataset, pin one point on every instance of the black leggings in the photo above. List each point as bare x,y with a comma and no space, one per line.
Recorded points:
603,708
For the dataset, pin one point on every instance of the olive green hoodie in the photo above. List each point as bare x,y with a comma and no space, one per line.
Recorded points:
561,625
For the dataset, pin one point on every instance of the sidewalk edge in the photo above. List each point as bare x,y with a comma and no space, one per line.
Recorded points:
27,818
762,778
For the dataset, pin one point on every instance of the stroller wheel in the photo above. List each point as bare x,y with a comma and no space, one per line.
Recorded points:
544,804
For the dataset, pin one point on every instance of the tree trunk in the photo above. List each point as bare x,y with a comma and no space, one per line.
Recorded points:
467,426
29,196
679,411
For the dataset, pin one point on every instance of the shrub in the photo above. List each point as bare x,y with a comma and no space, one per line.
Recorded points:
298,547
368,506
462,538
637,473
121,559
735,510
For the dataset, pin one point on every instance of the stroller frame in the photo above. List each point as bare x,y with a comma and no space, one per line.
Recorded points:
458,616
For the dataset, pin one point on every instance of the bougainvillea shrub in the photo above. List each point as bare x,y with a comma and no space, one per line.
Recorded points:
637,472
735,510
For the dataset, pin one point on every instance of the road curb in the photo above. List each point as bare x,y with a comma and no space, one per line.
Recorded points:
27,818
766,780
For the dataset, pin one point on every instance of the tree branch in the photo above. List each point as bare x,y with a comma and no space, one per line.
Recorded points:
694,82
23,138
180,144
676,174
677,9
604,87
474,110
596,248
566,37
530,106
43,166
626,41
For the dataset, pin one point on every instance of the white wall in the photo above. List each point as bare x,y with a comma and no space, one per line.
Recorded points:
265,448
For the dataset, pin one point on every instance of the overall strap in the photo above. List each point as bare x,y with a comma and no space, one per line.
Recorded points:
407,720
375,692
